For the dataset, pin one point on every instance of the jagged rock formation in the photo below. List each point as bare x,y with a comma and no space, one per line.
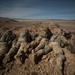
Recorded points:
34,47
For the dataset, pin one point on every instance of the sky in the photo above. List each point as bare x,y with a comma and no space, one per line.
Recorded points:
38,9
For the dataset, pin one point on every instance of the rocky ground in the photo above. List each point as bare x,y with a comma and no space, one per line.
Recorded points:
46,65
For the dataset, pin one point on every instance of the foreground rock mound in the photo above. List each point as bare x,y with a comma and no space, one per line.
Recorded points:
35,47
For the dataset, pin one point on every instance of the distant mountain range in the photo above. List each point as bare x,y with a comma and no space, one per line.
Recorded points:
7,19
16,19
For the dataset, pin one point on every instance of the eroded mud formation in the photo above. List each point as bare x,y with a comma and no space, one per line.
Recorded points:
19,48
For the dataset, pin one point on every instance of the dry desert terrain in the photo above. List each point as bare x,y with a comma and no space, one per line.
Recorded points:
46,65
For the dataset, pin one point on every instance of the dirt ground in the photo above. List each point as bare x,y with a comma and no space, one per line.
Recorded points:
46,64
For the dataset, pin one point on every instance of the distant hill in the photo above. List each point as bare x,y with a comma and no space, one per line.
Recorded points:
2,19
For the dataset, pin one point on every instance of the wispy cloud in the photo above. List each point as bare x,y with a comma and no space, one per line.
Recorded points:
20,12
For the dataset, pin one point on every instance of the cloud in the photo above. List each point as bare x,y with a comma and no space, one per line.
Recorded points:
20,12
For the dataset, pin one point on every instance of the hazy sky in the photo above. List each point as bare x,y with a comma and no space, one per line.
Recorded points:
38,9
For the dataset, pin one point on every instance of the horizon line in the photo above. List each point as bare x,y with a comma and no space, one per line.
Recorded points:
35,18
